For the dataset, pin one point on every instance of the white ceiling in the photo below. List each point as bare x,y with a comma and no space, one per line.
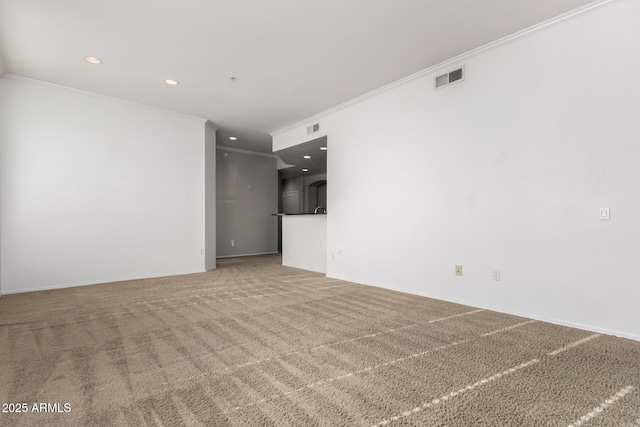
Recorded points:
292,59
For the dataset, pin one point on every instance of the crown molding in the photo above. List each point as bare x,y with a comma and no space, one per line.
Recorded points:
105,97
239,150
591,7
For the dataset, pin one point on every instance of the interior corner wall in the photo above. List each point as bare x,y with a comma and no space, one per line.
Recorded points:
1,136
505,171
95,189
247,196
210,196
1,107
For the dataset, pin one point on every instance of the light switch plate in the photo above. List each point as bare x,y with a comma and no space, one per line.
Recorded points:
604,213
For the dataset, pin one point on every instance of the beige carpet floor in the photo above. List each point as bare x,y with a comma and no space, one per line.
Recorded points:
254,343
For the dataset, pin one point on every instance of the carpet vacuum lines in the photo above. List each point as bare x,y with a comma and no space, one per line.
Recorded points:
185,289
367,369
573,344
484,381
121,315
455,393
150,309
442,319
300,351
200,295
314,347
326,345
304,278
192,284
212,292
189,286
604,405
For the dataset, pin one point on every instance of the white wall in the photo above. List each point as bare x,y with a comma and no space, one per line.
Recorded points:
95,189
505,171
247,196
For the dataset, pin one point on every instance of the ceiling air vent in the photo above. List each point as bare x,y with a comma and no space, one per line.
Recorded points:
450,77
313,128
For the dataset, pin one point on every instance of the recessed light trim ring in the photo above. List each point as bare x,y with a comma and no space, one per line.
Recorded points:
93,60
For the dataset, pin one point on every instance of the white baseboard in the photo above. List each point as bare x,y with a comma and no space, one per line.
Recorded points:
561,322
242,255
99,282
533,316
45,288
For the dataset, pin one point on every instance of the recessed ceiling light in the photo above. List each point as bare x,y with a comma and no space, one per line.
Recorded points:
93,60
172,82
323,148
233,138
307,157
305,170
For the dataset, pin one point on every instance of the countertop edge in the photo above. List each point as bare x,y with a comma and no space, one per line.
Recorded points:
298,214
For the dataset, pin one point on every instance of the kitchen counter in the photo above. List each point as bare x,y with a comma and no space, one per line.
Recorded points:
304,241
283,214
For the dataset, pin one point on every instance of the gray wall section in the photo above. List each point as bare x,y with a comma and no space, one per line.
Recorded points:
210,242
2,71
301,185
247,196
294,185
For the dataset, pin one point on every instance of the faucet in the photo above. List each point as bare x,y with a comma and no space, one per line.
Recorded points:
324,211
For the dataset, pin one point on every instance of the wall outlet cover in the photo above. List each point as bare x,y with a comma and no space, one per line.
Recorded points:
458,270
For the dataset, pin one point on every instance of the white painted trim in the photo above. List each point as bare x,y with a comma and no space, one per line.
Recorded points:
210,124
560,322
240,150
534,28
106,97
77,285
246,255
243,255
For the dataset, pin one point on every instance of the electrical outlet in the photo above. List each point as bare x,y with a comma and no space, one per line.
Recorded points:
496,275
604,213
458,270
233,243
